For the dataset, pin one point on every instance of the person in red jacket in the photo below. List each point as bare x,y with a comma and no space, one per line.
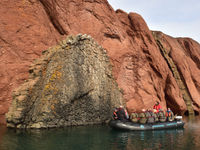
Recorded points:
157,106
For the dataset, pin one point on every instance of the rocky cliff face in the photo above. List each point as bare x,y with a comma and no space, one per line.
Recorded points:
71,84
182,56
139,67
25,30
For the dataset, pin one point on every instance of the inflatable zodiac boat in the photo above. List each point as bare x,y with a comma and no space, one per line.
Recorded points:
117,124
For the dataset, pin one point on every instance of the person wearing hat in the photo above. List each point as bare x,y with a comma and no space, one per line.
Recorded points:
169,115
121,114
155,115
134,116
162,116
150,117
142,117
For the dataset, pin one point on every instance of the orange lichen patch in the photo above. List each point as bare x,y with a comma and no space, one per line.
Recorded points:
47,86
30,90
55,48
50,87
56,75
44,71
53,104
67,47
55,91
52,107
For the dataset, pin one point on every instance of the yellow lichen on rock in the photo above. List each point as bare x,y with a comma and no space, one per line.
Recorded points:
66,93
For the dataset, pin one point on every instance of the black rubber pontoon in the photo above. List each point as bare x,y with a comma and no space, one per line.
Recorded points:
117,124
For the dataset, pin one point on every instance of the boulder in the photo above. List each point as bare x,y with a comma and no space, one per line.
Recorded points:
71,84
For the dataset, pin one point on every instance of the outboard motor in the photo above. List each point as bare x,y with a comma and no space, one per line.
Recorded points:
178,118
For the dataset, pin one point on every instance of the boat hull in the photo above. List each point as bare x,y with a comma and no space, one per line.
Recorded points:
117,124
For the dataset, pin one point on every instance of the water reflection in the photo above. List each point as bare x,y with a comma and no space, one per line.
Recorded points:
162,139
101,138
76,138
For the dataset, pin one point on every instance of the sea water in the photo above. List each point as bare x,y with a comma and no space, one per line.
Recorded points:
101,137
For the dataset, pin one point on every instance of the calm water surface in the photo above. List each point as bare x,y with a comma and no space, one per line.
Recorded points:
101,138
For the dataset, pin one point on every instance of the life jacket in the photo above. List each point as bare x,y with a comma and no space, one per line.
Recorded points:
148,114
142,115
161,116
134,117
142,118
156,117
161,113
150,117
157,107
115,115
168,114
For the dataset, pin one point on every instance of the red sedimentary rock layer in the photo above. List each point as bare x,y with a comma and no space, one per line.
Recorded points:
29,26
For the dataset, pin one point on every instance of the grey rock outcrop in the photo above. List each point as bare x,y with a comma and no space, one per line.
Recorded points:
71,84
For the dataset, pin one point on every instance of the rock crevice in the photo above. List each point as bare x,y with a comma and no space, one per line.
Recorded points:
50,9
176,74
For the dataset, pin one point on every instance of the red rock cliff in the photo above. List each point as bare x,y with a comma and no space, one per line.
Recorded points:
29,26
185,54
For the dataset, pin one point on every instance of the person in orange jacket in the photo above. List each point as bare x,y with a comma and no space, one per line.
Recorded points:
169,115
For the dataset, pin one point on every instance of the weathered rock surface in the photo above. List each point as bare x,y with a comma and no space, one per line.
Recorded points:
185,53
71,84
139,68
25,30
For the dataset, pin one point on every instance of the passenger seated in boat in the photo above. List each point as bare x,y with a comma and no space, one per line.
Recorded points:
115,114
155,115
161,115
169,115
142,117
150,116
157,106
134,117
120,114
126,113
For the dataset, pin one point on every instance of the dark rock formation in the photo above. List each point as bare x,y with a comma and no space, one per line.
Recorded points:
71,84
139,68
